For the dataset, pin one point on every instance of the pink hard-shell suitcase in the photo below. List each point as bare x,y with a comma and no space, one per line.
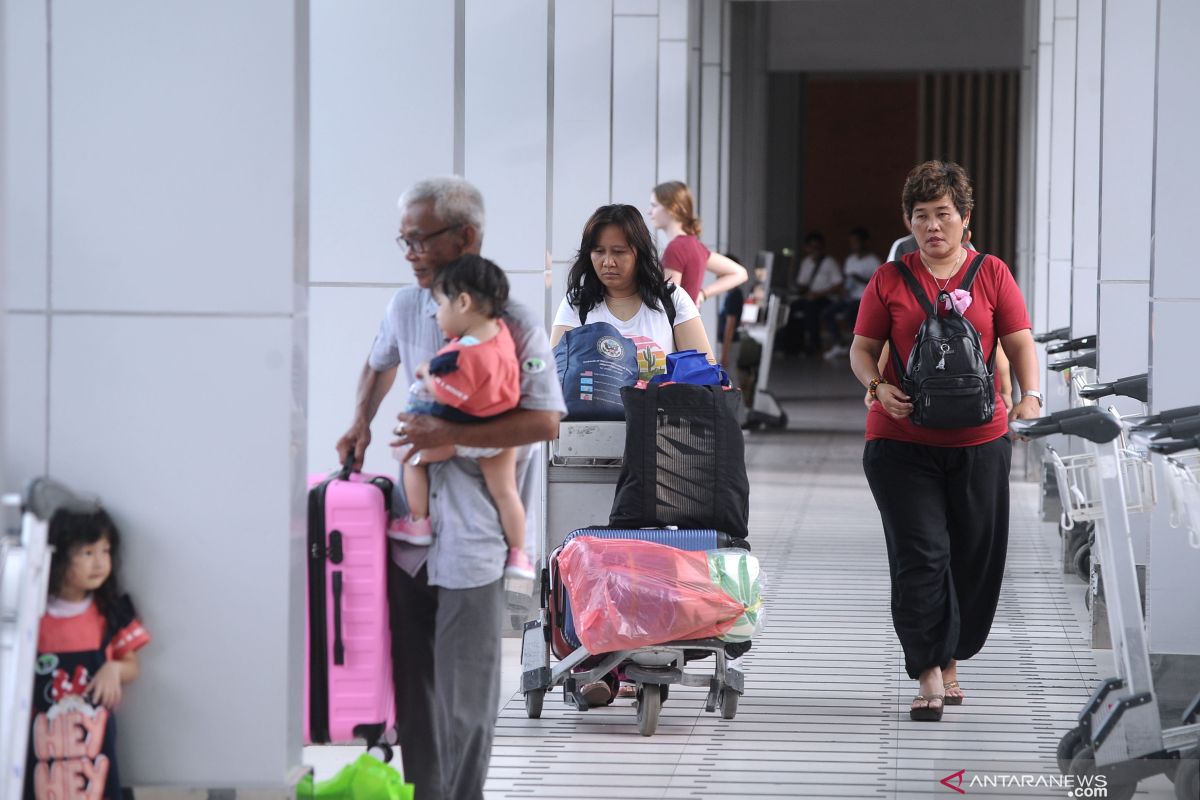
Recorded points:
348,692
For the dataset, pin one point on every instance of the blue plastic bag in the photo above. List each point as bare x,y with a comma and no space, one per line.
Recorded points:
691,366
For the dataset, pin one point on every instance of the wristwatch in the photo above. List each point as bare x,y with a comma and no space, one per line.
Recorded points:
1036,394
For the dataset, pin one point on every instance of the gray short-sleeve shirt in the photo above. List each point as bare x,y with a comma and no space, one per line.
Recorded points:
468,549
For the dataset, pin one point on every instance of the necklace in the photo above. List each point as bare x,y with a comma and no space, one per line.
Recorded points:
950,277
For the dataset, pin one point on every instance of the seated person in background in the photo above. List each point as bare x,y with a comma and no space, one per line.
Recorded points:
473,378
859,267
617,278
819,282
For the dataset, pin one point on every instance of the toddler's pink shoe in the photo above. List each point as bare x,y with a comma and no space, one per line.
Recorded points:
518,564
411,531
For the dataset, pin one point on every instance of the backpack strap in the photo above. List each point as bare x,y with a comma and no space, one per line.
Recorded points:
969,278
915,288
667,294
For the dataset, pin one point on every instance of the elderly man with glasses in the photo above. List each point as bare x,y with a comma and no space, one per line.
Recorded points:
447,599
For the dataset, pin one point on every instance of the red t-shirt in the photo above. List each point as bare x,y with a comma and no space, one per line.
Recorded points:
482,379
890,312
85,631
688,256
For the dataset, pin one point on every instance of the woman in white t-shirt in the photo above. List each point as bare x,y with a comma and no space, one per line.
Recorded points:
617,278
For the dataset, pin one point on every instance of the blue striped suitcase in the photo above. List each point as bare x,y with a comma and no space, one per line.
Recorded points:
564,639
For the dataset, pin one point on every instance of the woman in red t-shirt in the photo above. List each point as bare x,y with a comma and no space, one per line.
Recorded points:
685,258
942,492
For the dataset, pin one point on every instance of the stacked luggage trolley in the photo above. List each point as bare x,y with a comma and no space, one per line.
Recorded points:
582,480
1120,731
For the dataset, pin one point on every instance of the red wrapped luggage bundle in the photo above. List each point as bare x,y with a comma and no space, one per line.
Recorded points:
627,594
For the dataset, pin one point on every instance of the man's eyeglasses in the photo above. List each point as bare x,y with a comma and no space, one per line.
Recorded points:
417,243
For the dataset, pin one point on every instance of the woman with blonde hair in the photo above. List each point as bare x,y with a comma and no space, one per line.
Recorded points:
685,258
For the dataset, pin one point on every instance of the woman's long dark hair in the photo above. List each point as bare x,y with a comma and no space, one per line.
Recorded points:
584,289
70,530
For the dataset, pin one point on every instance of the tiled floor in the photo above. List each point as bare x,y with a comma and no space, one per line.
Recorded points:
825,709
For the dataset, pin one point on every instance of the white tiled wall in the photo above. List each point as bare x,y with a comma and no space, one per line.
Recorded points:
23,163
182,426
23,393
381,107
166,179
582,155
634,109
1127,142
342,324
505,137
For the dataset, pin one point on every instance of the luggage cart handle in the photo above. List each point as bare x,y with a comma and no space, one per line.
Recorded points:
1180,429
1053,336
1086,359
1135,386
1088,422
1168,447
1082,343
1167,415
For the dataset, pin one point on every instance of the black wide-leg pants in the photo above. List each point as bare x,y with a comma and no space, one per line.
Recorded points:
945,519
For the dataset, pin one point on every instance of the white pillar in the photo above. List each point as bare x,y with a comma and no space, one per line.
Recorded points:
1086,221
1126,183
157,198
1172,597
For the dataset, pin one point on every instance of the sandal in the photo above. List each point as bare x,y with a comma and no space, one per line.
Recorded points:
928,712
953,699
627,691
596,693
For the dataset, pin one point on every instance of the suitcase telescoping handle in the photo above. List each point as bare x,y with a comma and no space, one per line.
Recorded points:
347,466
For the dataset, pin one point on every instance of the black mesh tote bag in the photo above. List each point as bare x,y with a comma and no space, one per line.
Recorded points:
685,460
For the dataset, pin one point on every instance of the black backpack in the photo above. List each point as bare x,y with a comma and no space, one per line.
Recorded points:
948,379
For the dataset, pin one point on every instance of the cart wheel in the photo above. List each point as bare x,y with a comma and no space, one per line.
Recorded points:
533,703
1068,747
1187,779
649,706
1084,764
1082,561
729,703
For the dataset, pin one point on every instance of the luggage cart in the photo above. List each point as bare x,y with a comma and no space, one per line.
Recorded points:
652,669
24,577
765,410
1078,370
1183,471
1051,505
585,462
1119,731
1141,492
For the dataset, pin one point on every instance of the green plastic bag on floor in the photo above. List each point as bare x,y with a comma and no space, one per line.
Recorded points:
368,778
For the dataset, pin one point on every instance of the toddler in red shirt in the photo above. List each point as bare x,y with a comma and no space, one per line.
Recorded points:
87,651
473,378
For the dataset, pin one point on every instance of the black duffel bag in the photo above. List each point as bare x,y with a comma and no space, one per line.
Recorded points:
685,460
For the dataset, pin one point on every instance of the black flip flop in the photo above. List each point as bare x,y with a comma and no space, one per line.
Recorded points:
929,712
